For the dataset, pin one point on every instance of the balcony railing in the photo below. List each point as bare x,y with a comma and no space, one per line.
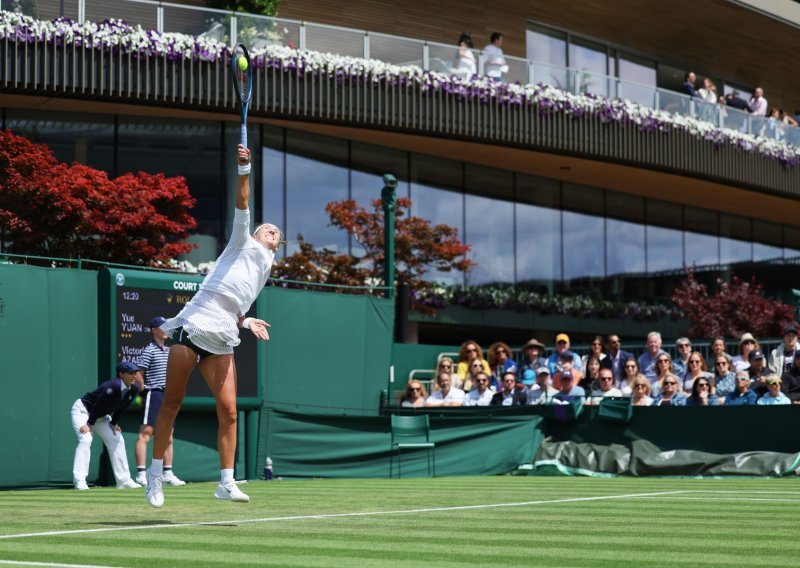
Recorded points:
258,31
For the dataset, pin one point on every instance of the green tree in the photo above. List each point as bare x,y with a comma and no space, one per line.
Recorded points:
262,7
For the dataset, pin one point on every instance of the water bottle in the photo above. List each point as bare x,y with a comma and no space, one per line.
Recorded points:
268,470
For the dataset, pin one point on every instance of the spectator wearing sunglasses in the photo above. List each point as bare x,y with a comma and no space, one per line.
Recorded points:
500,362
475,367
446,394
555,360
595,350
616,358
469,352
604,387
747,344
481,395
414,395
540,390
446,365
717,348
742,395
664,368
647,360
568,389
791,381
724,378
641,392
681,363
670,393
697,370
567,359
509,395
774,395
532,357
701,393
629,372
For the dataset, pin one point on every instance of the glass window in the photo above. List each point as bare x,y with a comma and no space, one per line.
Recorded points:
489,182
316,174
625,247
584,199
548,50
490,232
84,138
768,238
701,238
584,245
538,245
735,239
637,80
791,237
591,63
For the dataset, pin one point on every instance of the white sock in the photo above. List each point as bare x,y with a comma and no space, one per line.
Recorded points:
227,476
157,467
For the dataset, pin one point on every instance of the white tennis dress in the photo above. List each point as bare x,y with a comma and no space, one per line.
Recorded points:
211,317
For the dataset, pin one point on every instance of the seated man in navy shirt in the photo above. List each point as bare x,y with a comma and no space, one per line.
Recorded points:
99,411
742,395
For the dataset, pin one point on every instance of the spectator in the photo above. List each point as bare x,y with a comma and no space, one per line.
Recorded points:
631,371
708,92
494,63
466,67
747,344
445,365
604,387
758,104
500,362
509,396
616,358
688,84
734,100
592,379
641,392
647,360
540,392
567,366
774,395
664,367
681,362
670,394
697,370
568,390
787,119
758,373
782,357
475,368
481,395
717,348
446,394
532,357
596,350
99,411
797,116
414,395
724,378
742,395
791,381
701,393
468,352
562,345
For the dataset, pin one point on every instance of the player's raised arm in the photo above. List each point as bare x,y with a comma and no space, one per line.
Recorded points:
243,180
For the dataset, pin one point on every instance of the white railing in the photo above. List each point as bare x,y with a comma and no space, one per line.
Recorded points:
259,31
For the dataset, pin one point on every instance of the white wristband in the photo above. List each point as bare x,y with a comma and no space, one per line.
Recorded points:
246,323
244,170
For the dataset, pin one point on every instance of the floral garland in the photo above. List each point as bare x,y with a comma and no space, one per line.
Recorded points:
116,35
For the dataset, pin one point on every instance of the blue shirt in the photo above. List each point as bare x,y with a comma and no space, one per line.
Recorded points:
736,398
554,362
109,398
726,384
575,393
678,399
647,364
768,400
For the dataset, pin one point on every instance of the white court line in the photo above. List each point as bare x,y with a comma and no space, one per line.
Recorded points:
56,564
340,515
736,499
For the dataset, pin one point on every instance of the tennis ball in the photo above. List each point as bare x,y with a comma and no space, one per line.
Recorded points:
243,63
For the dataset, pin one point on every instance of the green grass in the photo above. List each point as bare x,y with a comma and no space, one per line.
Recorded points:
713,522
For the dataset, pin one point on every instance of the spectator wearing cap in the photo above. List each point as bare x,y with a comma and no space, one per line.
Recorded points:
648,360
717,348
509,395
741,395
447,394
747,344
782,357
541,391
774,395
555,360
98,412
604,388
500,362
568,389
532,358
791,381
567,359
153,364
758,372
481,395
670,393
681,363
616,358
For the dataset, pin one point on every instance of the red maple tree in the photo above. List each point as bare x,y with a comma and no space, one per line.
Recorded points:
48,208
420,248
735,307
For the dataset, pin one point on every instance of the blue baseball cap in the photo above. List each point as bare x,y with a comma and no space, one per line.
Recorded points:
127,367
157,321
528,377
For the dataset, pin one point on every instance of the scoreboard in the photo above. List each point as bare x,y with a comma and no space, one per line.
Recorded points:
129,299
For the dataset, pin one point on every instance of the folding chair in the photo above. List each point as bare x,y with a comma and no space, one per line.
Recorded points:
417,426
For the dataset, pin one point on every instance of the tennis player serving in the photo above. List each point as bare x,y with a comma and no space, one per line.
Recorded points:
208,328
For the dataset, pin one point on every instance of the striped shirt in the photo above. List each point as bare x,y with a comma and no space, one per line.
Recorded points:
154,364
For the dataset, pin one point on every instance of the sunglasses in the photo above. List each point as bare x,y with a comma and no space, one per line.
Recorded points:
703,385
606,378
682,345
447,366
480,380
663,360
639,386
471,350
721,363
501,351
670,383
694,362
415,389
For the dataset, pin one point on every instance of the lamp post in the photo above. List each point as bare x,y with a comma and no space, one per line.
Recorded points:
389,201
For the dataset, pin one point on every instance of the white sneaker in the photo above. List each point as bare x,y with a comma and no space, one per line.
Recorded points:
155,493
231,492
128,484
141,478
172,479
81,486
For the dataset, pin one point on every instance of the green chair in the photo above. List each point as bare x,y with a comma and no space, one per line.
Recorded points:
416,426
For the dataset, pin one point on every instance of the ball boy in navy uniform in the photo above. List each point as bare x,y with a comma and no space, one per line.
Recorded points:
98,411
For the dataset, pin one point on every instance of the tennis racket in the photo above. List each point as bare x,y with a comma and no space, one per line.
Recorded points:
242,75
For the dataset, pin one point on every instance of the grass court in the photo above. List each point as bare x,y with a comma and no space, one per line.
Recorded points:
460,521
